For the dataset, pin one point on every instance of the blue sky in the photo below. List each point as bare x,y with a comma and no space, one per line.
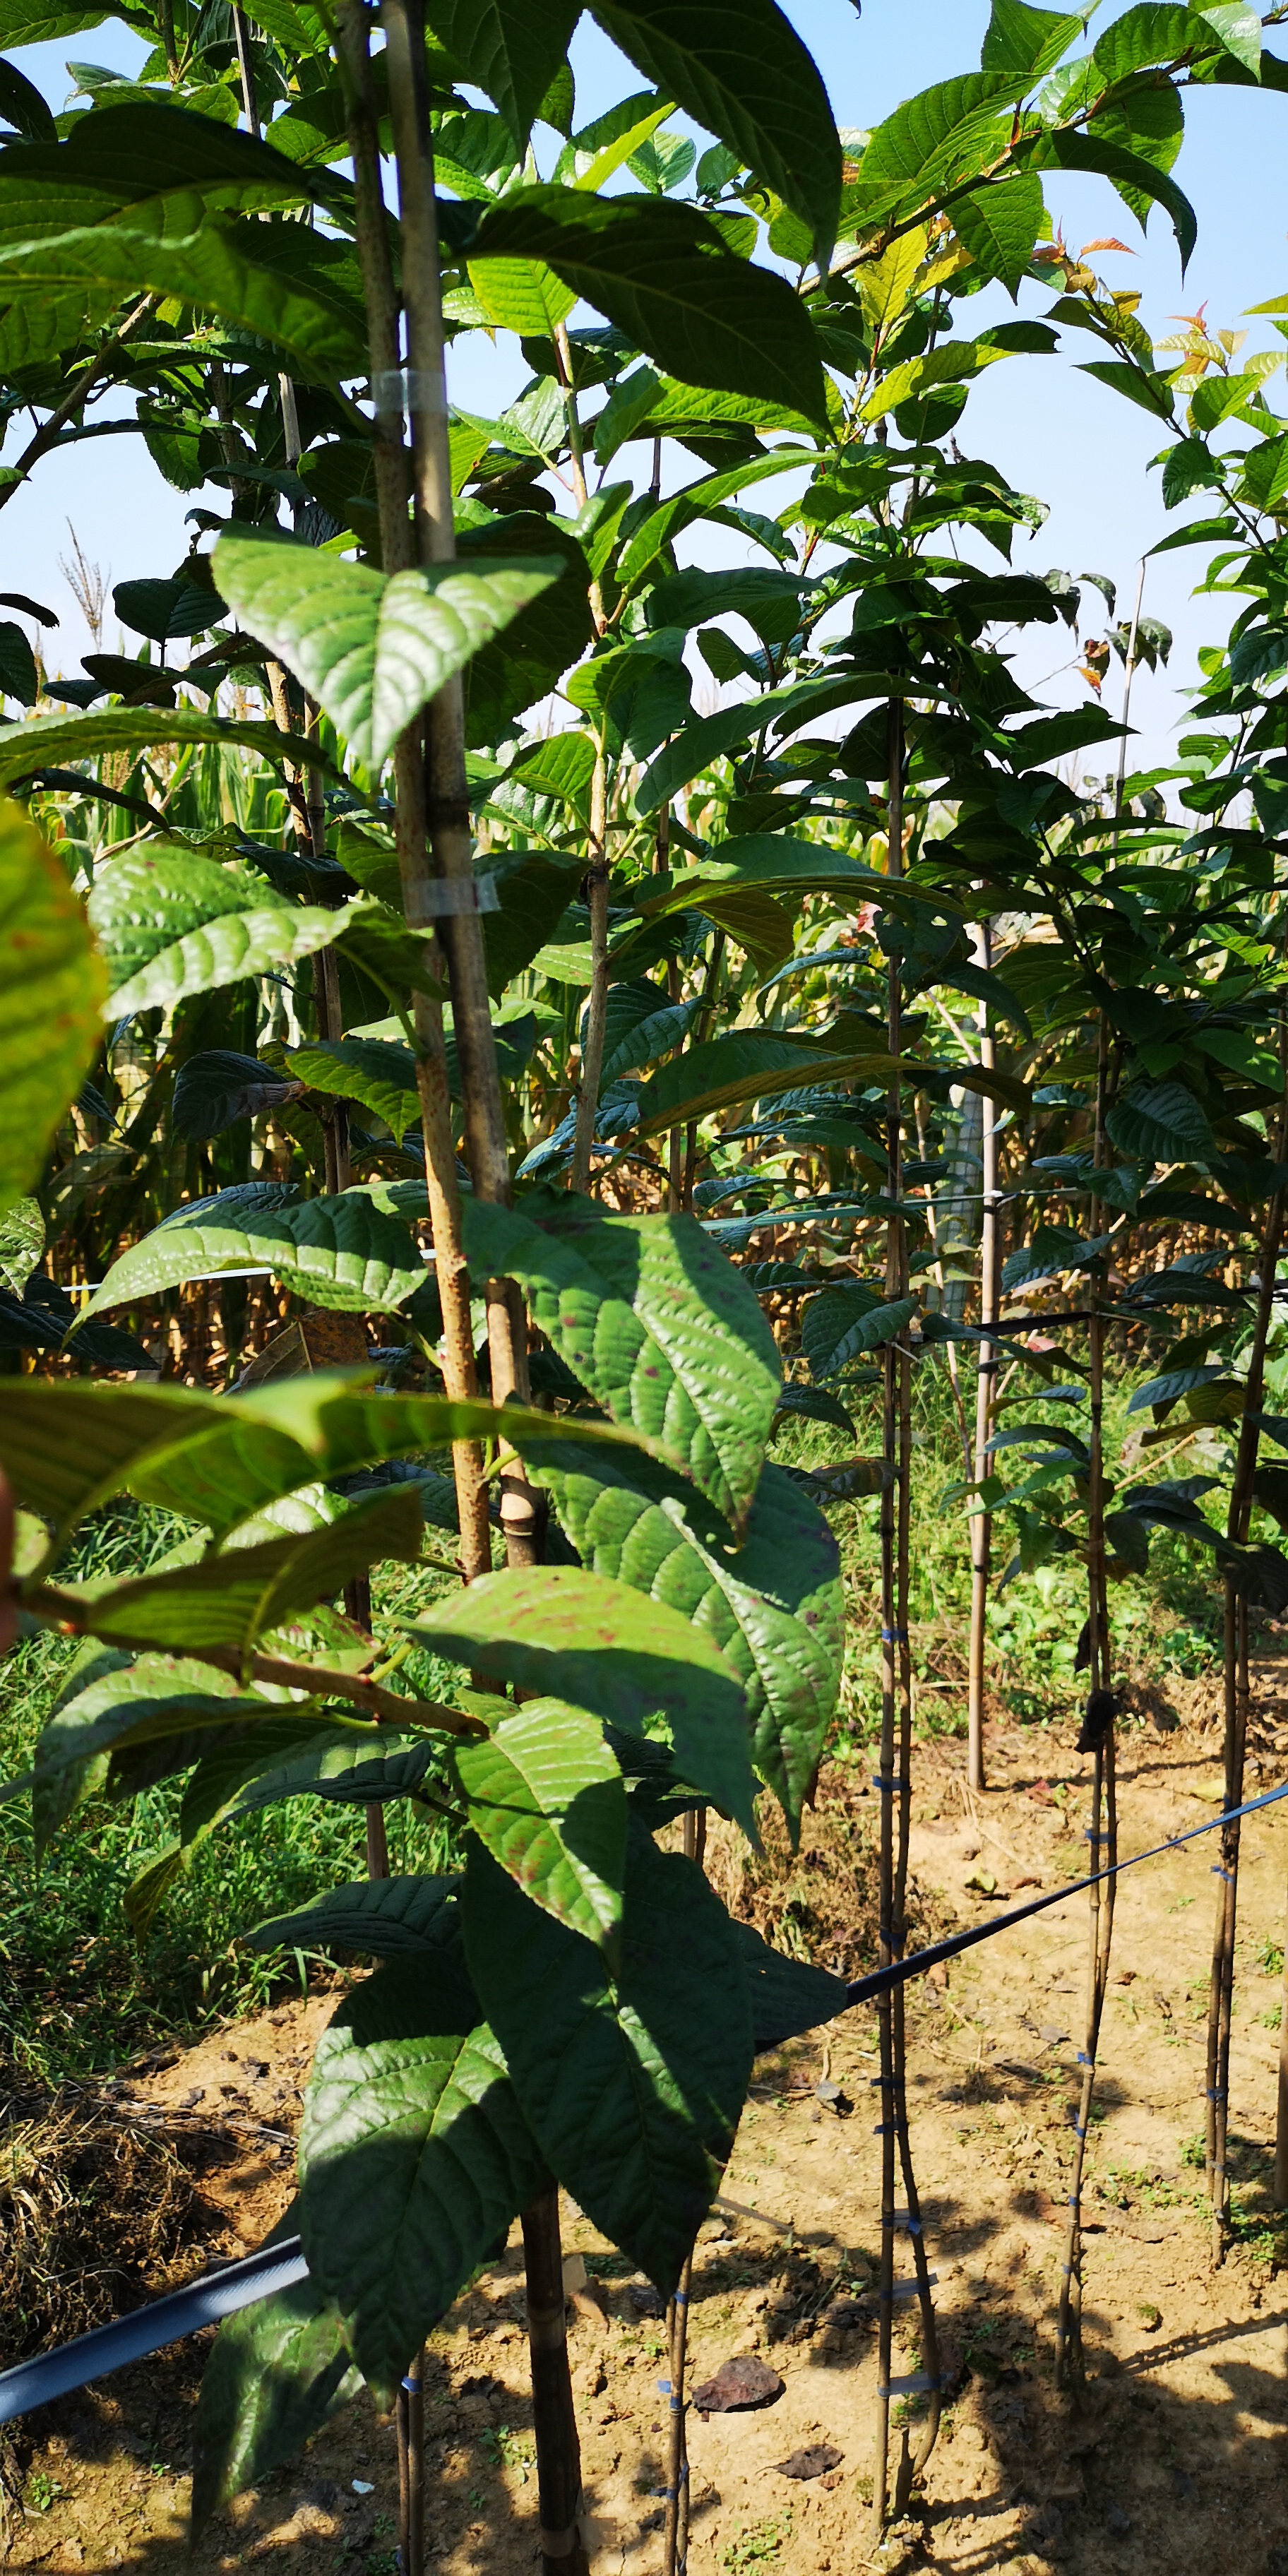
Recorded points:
1054,431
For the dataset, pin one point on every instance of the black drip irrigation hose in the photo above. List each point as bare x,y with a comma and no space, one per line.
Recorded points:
168,2320
279,2267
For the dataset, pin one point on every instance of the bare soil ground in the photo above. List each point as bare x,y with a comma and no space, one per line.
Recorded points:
1172,2457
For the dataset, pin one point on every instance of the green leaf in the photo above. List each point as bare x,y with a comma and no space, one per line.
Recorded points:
640,1026
18,676
771,863
376,1071
22,1241
298,294
512,49
632,2084
739,68
659,1327
414,2154
812,1404
1025,41
212,1091
1160,1122
384,1918
67,1446
661,273
845,1322
746,1065
372,649
1000,224
774,1606
560,1633
278,2370
51,990
345,1251
238,929
1137,180
1175,1383
46,742
110,1701
233,1598
983,986
547,1799
298,1757
788,1997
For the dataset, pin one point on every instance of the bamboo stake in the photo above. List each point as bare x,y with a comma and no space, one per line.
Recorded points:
896,1748
1281,2114
393,484
675,2549
592,1055
448,817
981,1525
447,808
1098,1735
1221,1991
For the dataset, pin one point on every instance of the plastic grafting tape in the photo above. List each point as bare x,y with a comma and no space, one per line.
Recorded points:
1216,1871
1082,2058
663,2386
888,2128
906,2289
918,2385
681,2298
888,1786
894,1636
412,2387
899,2218
442,897
407,389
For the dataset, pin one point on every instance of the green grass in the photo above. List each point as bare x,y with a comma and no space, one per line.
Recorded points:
77,1992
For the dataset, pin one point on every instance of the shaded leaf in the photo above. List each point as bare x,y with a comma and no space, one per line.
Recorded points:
414,2154
633,2085
52,986
547,1799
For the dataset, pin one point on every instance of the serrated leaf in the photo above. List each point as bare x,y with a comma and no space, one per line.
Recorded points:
512,49
773,864
51,989
232,1598
633,2085
561,1633
384,1918
277,2372
547,1799
173,923
659,1327
372,648
662,274
1160,1122
1000,224
740,69
344,1251
375,1071
1025,41
774,1606
414,2154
